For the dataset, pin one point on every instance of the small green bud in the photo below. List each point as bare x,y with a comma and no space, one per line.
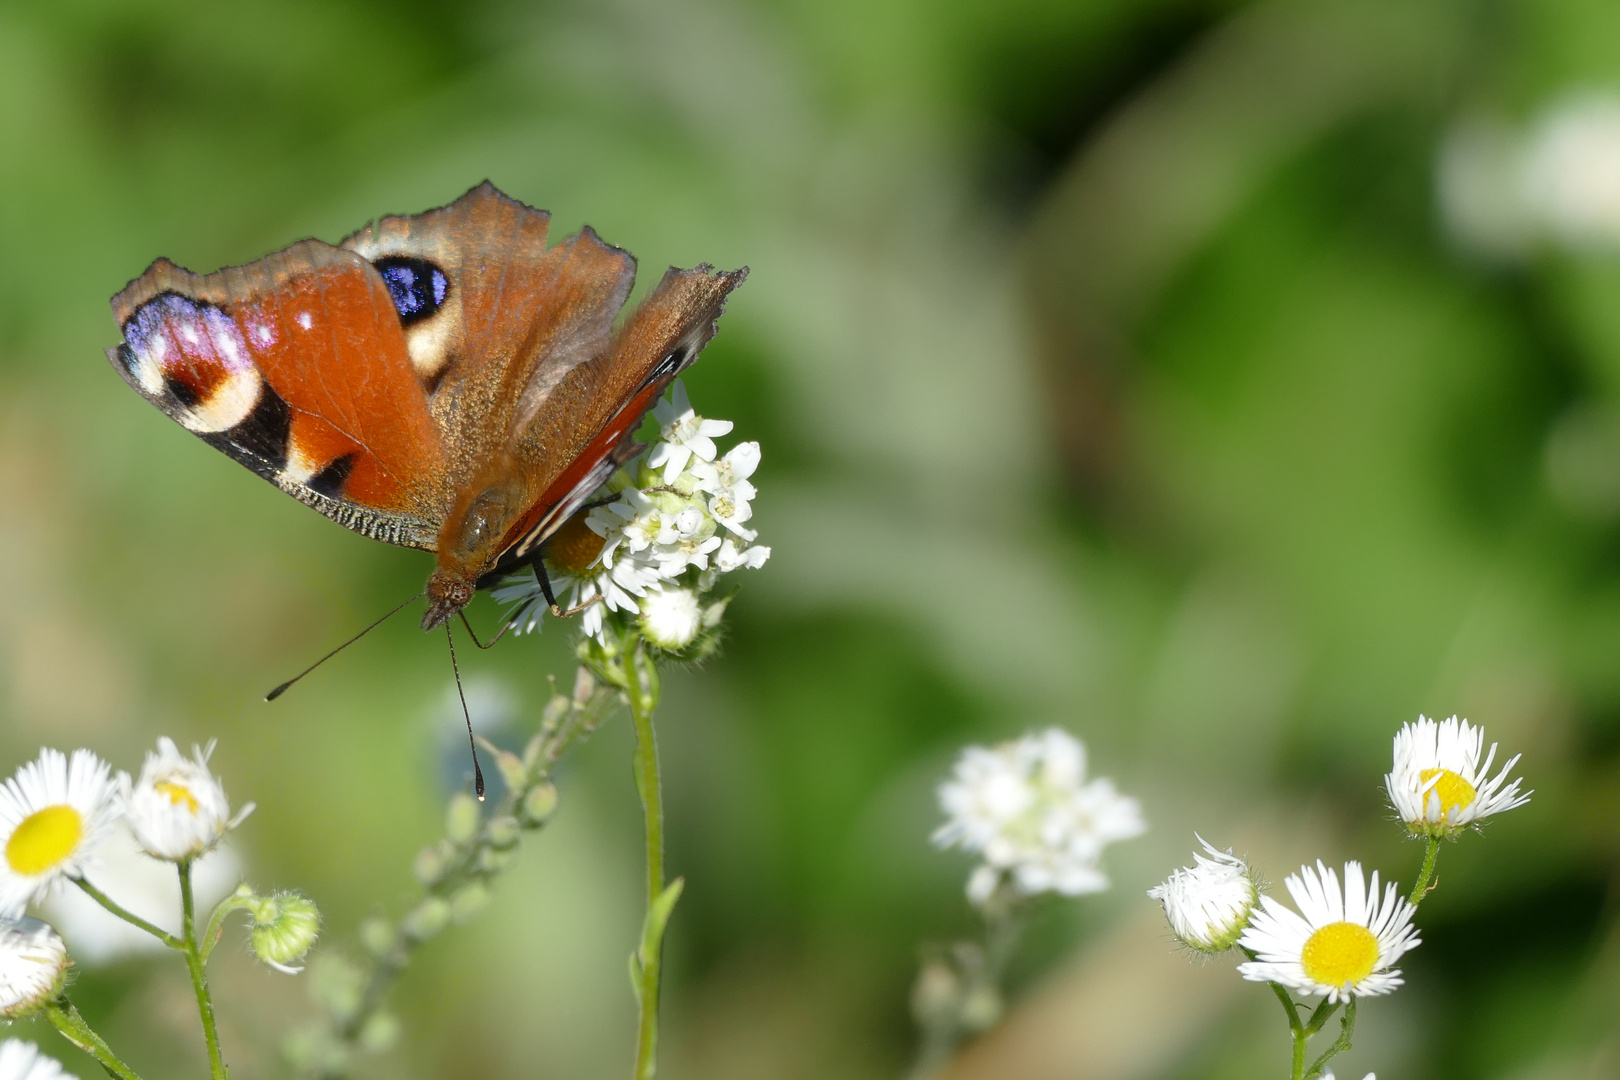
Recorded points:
935,994
502,832
493,861
316,1051
513,771
468,901
539,804
428,919
377,936
380,1033
982,1008
285,925
429,865
338,984
713,613
461,820
555,710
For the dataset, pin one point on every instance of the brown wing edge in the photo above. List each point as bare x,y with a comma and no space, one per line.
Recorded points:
696,299
253,442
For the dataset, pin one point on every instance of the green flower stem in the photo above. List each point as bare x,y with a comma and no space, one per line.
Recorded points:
129,916
1347,1028
73,1027
477,859
642,687
1431,853
199,975
216,924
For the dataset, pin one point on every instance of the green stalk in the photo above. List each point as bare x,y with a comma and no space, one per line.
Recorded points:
1347,1028
73,1027
642,687
128,916
199,975
1431,853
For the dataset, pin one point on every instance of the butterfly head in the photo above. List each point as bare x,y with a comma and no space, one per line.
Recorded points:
447,592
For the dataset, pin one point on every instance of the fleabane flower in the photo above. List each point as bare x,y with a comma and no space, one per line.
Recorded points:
1339,944
33,965
1439,784
22,1061
1208,903
177,809
54,812
1327,1074
683,435
1026,807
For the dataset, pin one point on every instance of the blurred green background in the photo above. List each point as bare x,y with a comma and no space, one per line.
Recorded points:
1131,365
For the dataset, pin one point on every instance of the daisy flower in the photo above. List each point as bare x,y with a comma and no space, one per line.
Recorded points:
1340,944
53,813
1208,903
578,576
1440,785
1026,807
22,1061
177,809
684,435
732,556
33,964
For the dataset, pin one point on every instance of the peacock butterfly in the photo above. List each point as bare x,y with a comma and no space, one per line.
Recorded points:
441,381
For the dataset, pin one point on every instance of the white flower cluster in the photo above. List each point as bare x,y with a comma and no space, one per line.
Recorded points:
1504,189
676,525
1026,807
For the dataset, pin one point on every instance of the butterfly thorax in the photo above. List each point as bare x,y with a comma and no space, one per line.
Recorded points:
471,540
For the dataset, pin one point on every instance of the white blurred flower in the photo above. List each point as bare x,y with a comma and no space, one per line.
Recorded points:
146,887
1572,170
54,812
22,1061
726,482
1208,903
1439,784
671,617
1340,944
684,435
1327,1074
1502,187
178,809
1026,807
33,965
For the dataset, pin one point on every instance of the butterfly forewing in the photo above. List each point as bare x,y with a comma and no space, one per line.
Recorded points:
294,365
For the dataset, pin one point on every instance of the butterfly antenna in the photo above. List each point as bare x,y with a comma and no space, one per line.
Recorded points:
478,774
282,689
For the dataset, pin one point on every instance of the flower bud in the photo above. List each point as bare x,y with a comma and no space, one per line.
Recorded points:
468,901
427,919
461,820
502,832
670,617
1208,904
539,804
285,925
492,861
33,966
338,984
380,1033
428,866
376,936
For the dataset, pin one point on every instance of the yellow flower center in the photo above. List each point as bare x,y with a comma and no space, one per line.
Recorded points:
1340,954
574,547
1455,792
44,839
178,794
